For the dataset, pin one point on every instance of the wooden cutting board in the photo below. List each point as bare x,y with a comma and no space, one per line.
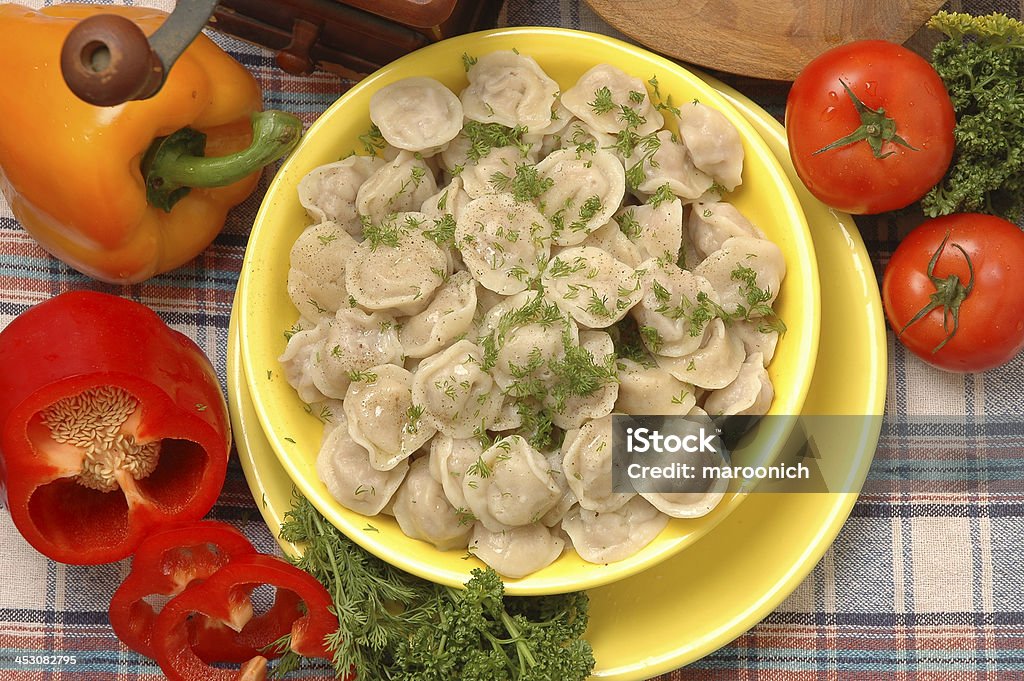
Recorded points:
760,38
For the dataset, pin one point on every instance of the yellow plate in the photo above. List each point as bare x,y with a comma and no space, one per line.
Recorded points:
717,588
265,311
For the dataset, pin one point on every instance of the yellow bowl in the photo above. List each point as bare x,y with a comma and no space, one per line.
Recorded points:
265,310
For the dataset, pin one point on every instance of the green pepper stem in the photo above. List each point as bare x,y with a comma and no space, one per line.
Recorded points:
175,164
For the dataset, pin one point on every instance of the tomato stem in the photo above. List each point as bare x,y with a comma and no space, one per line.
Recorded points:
875,127
949,295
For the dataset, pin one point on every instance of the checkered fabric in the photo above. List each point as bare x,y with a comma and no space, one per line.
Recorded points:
919,585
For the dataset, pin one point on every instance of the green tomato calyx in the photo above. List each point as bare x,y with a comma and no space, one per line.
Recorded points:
949,294
875,127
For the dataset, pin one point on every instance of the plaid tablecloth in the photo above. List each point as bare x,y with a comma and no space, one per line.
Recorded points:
918,586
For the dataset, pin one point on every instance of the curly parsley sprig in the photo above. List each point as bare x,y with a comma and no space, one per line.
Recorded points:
982,64
397,627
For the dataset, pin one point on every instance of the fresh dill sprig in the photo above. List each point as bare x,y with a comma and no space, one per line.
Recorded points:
590,207
662,103
385,233
628,224
757,301
361,376
443,231
603,102
526,184
373,141
486,136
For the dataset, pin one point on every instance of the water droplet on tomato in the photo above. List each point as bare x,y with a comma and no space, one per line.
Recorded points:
833,95
828,114
870,85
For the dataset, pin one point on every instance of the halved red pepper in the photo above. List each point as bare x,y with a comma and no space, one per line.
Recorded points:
111,424
164,565
225,597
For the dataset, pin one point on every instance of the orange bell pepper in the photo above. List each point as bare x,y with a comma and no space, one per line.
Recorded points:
74,173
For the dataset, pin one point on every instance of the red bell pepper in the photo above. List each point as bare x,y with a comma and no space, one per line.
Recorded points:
225,597
164,565
111,424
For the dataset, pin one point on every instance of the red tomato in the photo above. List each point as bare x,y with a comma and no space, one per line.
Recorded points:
985,329
892,91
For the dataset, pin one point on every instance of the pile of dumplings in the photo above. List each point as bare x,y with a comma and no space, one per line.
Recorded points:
510,266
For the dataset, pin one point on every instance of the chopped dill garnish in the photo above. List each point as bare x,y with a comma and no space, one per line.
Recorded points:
629,342
582,144
468,62
662,103
386,233
649,146
598,305
486,136
372,140
479,468
652,338
413,415
361,376
591,207
662,195
757,301
602,103
628,224
558,268
578,374
443,232
525,185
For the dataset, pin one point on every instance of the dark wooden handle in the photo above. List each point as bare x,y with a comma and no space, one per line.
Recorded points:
107,60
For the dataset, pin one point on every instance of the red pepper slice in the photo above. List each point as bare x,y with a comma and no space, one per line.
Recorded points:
164,565
111,424
225,597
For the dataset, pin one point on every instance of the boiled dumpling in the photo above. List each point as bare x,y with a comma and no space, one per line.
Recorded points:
316,273
609,537
583,194
509,485
448,316
456,393
344,468
416,114
423,512
511,89
588,464
675,308
746,273
710,224
714,143
750,393
328,192
382,418
600,95
503,242
715,364
398,276
399,186
518,551
591,286
449,461
652,391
